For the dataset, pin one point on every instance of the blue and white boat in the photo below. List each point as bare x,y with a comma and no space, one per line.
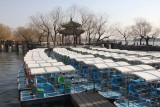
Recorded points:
143,90
50,82
116,86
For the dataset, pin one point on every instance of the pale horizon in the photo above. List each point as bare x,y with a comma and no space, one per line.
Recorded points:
15,13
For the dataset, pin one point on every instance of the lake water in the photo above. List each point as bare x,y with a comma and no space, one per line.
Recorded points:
9,66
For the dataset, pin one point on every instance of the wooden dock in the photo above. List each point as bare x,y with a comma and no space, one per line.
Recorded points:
90,99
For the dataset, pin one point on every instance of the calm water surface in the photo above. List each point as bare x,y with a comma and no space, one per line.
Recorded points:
9,66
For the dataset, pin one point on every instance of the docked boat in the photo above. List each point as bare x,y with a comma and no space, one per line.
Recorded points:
42,77
143,90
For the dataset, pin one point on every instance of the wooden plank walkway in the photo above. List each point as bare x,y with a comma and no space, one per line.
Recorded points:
90,99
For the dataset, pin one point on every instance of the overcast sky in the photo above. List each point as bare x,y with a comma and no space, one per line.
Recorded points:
16,13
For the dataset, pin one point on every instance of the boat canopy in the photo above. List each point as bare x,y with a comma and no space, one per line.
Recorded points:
30,62
58,64
33,59
108,60
135,68
88,62
141,67
53,60
146,67
98,61
122,63
42,61
112,64
124,69
88,56
35,71
147,76
154,72
101,66
52,69
58,69
66,68
33,65
151,61
45,64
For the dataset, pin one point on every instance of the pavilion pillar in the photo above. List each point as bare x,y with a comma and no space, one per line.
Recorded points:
62,39
65,39
79,39
76,39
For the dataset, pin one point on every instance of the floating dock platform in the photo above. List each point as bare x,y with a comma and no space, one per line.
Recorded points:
89,99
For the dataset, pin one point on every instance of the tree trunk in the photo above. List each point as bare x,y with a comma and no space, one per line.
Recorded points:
125,41
47,41
89,40
98,39
153,41
39,40
55,38
52,39
147,41
76,39
141,40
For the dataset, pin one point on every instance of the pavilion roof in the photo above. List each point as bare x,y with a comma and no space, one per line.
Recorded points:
71,31
71,24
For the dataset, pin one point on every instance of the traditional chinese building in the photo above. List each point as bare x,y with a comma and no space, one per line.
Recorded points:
69,29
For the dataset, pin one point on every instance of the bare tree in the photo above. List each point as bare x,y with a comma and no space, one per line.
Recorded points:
101,27
56,19
88,22
109,32
125,33
90,28
38,35
43,24
24,34
142,29
5,32
85,15
155,34
73,11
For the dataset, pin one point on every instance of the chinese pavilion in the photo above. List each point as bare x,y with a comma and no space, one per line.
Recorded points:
71,29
